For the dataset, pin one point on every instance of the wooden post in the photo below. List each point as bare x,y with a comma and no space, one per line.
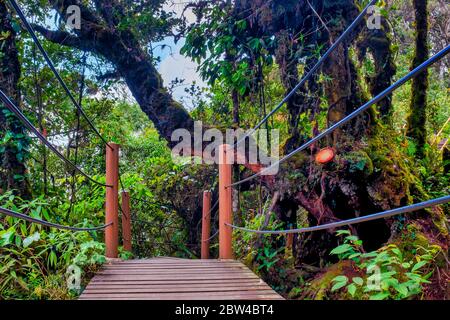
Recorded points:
126,221
289,240
112,200
206,224
225,201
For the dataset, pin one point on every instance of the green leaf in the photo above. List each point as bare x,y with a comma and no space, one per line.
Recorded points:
338,285
354,255
419,265
359,281
406,265
7,236
340,279
352,238
341,232
351,289
341,249
402,289
340,282
397,252
379,296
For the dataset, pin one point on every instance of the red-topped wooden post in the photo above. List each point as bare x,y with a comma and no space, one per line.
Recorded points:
206,224
126,221
225,201
112,200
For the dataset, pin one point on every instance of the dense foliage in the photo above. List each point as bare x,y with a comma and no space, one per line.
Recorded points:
250,54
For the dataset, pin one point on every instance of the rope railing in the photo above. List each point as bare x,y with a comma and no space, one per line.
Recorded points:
22,216
52,67
14,109
352,115
310,73
370,217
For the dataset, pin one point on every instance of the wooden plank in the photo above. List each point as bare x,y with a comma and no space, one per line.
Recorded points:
175,272
175,279
174,266
179,282
244,286
175,289
190,295
170,278
162,264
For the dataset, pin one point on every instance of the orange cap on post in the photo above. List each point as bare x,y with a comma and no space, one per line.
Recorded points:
325,155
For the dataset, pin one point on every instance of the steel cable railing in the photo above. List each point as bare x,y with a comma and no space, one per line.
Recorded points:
22,216
14,109
211,237
52,67
370,217
352,115
309,74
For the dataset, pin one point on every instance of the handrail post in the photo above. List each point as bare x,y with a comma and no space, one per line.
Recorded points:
112,200
126,221
289,240
206,224
225,201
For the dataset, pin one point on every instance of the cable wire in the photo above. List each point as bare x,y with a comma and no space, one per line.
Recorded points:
52,67
355,113
14,109
311,71
370,217
46,223
214,235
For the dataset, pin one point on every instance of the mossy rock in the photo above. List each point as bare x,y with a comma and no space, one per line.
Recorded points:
359,162
319,288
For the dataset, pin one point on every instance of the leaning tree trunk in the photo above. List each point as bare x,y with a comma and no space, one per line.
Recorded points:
417,119
349,186
100,34
13,138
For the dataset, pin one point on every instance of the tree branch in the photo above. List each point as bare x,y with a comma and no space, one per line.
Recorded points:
62,37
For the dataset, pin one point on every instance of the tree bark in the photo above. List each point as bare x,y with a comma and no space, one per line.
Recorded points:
13,138
418,116
99,34
378,43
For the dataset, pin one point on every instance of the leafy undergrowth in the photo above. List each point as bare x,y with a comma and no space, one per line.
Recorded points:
411,268
412,265
42,263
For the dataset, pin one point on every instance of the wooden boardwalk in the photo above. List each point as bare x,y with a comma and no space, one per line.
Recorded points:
177,279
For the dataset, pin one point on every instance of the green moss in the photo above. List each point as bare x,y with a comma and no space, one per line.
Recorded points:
359,161
319,287
299,160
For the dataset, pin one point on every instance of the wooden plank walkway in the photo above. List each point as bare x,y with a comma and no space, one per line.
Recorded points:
177,279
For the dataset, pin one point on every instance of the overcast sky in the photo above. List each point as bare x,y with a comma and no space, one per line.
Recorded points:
173,64
176,65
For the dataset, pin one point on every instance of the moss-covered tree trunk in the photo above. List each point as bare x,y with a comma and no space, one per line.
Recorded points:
13,138
418,109
102,35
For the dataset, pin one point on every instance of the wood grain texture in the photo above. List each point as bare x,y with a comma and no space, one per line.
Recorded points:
177,279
